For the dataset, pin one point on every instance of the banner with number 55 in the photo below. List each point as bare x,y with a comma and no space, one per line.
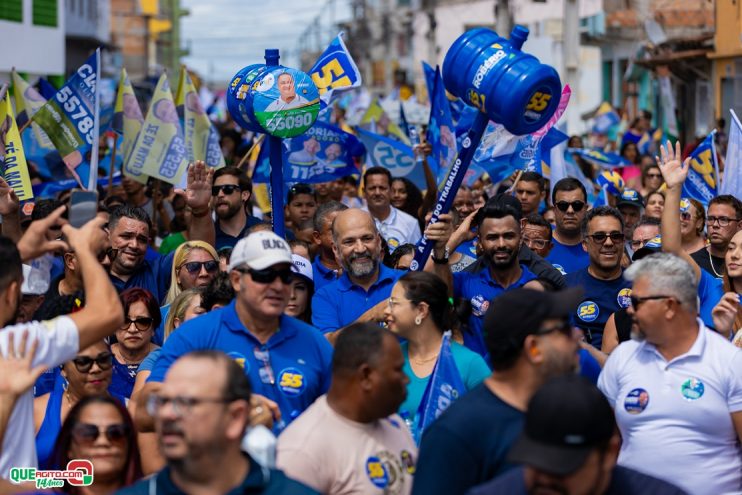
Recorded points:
335,71
68,118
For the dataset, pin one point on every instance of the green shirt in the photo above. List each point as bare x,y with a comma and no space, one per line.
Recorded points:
171,243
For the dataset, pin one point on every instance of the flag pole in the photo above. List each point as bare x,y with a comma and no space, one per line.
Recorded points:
93,175
112,165
249,152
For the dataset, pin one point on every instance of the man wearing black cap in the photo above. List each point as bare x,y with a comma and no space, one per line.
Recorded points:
569,446
529,340
631,205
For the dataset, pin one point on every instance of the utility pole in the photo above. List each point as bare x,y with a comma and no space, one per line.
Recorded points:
571,58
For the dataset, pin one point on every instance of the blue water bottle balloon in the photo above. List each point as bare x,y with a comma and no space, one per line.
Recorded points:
492,74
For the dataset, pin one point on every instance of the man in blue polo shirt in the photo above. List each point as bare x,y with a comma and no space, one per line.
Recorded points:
325,267
498,224
129,229
286,360
231,191
606,291
570,205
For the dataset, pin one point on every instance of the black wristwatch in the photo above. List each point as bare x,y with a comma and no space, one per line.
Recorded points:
441,261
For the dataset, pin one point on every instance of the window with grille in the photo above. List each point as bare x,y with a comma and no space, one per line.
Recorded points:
45,13
11,10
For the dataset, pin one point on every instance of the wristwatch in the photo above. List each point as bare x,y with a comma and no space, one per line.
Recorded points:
441,261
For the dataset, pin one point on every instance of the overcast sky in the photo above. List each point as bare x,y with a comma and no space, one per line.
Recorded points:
226,35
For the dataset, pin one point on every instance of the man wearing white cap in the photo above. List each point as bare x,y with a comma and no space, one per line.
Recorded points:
286,360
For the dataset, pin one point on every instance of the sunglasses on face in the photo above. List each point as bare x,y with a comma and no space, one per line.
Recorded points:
564,328
227,189
564,205
636,301
142,323
685,215
194,267
600,237
268,275
87,434
84,364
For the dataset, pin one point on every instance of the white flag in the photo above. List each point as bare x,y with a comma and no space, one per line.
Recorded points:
732,181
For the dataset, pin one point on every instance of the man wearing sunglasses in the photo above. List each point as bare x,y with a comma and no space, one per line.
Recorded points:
606,291
231,192
286,360
59,339
569,198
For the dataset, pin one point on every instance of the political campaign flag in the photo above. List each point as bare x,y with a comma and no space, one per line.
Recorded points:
376,118
159,150
701,181
441,132
397,157
69,118
335,71
322,154
403,124
127,115
444,387
28,101
604,159
12,160
732,183
430,75
201,138
51,189
46,89
605,118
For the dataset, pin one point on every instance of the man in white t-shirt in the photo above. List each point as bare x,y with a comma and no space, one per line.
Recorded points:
394,225
288,99
677,390
351,441
59,339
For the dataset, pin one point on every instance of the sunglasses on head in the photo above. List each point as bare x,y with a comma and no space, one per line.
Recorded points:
268,275
84,364
87,434
141,323
600,237
227,189
564,205
194,267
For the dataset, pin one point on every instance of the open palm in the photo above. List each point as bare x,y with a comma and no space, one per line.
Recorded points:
17,373
198,188
673,171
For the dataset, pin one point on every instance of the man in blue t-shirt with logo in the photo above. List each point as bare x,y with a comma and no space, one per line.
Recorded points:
569,198
606,291
286,360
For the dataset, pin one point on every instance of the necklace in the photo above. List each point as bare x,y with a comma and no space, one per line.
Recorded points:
426,360
711,262
132,363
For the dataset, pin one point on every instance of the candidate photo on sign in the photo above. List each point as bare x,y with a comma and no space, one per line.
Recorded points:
288,99
165,111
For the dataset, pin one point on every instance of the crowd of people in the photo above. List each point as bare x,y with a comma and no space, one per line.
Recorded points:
181,346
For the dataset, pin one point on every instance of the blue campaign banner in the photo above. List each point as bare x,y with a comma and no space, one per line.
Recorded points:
444,387
701,183
322,154
429,74
441,132
393,155
335,71
51,189
603,159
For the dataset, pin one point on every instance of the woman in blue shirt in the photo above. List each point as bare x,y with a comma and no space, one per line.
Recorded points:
419,311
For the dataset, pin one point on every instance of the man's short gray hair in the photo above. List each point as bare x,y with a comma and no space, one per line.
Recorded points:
667,274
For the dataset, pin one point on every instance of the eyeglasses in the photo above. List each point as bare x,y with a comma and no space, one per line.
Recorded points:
685,215
266,371
86,434
564,205
194,267
723,221
142,323
227,189
109,253
182,405
600,237
84,364
535,243
268,275
564,328
637,301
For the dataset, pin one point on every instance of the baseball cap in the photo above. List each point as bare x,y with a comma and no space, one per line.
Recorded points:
260,250
630,197
302,267
566,419
654,245
517,313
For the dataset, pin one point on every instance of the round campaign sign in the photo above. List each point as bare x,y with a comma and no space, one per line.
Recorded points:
285,101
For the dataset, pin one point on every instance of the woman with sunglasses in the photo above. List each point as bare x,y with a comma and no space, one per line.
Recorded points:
419,311
195,264
134,338
99,429
87,375
651,176
692,222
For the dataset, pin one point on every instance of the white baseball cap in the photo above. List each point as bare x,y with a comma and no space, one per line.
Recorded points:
302,267
260,250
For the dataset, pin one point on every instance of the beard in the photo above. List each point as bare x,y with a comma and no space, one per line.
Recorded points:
361,269
232,210
502,264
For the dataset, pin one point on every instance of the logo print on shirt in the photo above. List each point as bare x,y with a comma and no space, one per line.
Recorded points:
636,401
588,311
479,305
392,243
241,360
624,297
560,268
692,389
291,382
408,461
376,472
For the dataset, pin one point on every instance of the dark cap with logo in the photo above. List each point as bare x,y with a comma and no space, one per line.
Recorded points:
630,197
567,418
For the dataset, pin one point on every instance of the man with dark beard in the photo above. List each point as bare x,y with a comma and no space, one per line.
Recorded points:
230,196
499,239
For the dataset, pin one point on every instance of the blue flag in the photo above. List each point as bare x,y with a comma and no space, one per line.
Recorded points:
51,189
335,71
732,183
393,155
430,74
444,387
441,131
701,181
603,159
46,89
322,154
